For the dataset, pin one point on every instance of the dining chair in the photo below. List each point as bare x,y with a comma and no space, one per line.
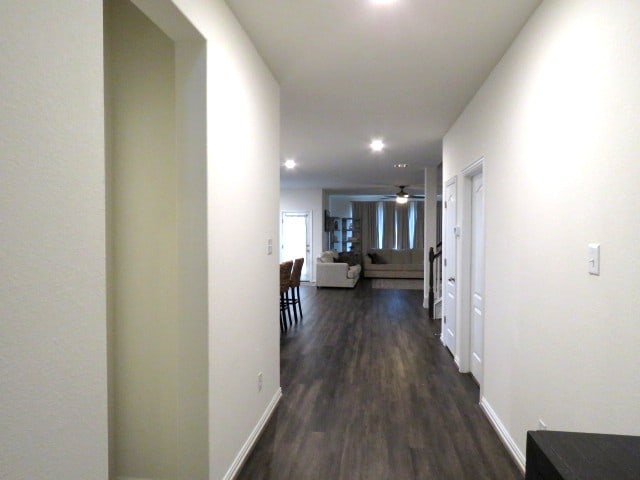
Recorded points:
294,286
285,278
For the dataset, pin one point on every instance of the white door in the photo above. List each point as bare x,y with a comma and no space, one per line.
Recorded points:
449,268
477,277
296,240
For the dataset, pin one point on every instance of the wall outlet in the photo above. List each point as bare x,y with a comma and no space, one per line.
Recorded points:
541,425
260,382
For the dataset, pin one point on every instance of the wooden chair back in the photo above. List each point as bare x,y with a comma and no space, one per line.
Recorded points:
296,272
285,275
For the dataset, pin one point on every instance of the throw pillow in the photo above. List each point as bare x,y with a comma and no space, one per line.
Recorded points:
375,258
326,257
348,257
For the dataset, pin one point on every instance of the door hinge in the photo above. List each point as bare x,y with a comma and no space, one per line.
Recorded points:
445,204
445,262
444,318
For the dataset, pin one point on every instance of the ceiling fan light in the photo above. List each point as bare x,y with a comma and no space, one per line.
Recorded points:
401,200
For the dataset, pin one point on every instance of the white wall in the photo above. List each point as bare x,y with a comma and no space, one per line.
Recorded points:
431,182
193,352
340,206
307,200
243,156
53,342
53,373
557,125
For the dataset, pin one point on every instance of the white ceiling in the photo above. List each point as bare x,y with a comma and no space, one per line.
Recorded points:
350,70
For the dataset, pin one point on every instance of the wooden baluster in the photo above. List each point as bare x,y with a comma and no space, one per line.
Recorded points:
431,299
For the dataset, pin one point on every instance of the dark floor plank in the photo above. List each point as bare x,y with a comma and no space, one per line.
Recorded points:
369,392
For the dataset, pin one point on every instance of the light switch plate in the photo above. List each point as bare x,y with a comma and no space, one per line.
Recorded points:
593,257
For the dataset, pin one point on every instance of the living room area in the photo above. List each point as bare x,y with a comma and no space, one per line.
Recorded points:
346,237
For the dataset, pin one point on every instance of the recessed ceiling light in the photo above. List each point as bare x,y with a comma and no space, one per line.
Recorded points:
290,163
401,165
376,145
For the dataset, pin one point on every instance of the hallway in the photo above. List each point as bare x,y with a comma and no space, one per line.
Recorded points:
369,392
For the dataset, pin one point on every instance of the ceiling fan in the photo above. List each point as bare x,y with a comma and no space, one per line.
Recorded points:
402,197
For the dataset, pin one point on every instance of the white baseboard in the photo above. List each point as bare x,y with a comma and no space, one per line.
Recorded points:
504,435
244,452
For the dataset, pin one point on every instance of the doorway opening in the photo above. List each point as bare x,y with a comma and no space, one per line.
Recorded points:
157,261
295,237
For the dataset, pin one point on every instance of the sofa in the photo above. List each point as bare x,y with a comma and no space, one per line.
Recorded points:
333,273
389,263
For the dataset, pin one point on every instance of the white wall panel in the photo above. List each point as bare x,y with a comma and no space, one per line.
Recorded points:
53,371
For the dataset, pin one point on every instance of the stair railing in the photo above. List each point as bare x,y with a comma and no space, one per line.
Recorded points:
435,275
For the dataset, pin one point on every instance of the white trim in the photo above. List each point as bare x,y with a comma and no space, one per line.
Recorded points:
425,302
246,449
463,315
474,168
503,434
309,254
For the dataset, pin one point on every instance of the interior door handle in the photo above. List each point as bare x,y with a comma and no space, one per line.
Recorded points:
452,279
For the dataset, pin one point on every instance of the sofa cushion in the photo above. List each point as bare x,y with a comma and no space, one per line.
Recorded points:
417,256
391,267
414,256
385,255
400,256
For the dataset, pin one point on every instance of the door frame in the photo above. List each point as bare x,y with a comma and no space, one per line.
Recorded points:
464,265
309,215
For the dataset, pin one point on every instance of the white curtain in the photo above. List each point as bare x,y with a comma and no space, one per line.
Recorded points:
389,225
402,226
418,231
367,213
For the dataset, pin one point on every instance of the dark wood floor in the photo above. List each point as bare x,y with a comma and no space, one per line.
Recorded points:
369,392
